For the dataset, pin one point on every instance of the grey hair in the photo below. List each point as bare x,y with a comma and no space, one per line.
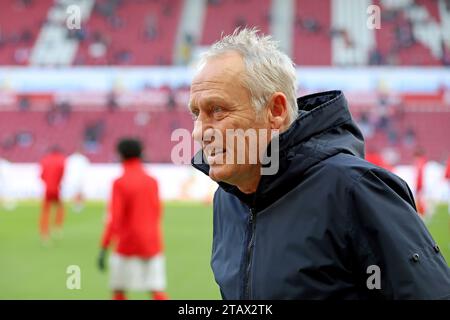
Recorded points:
268,70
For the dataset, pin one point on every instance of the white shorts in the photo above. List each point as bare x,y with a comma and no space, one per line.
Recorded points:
137,274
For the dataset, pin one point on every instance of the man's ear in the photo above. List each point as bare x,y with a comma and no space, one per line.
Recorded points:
277,111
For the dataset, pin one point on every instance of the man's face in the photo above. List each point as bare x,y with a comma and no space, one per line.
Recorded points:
219,101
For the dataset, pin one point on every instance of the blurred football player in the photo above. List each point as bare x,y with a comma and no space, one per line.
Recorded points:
77,166
52,171
420,163
373,156
447,177
4,164
133,223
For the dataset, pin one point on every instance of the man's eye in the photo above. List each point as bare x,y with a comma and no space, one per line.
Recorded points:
217,109
194,115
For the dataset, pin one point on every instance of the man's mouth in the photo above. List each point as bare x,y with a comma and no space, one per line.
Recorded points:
214,155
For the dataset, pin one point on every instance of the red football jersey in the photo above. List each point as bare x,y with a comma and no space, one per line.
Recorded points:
377,159
52,171
447,170
420,168
134,213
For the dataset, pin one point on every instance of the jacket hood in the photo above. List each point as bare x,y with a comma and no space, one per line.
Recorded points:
323,128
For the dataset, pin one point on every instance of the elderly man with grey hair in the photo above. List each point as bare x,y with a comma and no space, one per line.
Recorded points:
326,224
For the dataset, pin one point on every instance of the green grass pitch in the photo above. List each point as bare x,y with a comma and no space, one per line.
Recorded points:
30,271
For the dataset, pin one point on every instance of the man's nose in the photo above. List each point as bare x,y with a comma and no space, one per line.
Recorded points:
197,133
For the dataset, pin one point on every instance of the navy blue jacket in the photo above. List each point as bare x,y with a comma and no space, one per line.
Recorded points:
316,228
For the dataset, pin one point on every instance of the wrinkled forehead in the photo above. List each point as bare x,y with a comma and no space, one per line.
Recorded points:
223,73
226,67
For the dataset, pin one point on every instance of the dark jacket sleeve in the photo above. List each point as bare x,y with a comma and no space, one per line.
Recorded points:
388,233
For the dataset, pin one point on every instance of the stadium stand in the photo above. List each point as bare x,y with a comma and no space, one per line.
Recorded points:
26,135
130,33
20,23
406,132
326,32
312,33
411,34
139,32
224,16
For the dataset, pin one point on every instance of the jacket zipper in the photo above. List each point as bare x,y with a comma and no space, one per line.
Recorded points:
247,283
